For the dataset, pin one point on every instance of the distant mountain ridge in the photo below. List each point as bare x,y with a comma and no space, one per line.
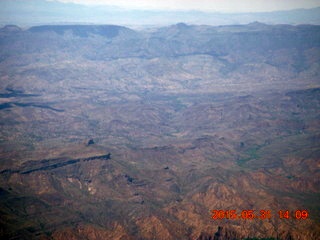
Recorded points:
109,31
171,41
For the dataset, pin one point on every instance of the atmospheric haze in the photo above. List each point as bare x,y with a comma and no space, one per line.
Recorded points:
206,5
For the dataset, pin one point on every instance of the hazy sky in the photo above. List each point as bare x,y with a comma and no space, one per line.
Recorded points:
207,5
36,12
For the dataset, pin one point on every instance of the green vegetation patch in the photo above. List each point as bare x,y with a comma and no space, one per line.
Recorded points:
252,153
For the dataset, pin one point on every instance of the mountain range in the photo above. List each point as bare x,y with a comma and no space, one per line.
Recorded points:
108,132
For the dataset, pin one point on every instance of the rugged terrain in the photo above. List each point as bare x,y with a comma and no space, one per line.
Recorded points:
111,133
